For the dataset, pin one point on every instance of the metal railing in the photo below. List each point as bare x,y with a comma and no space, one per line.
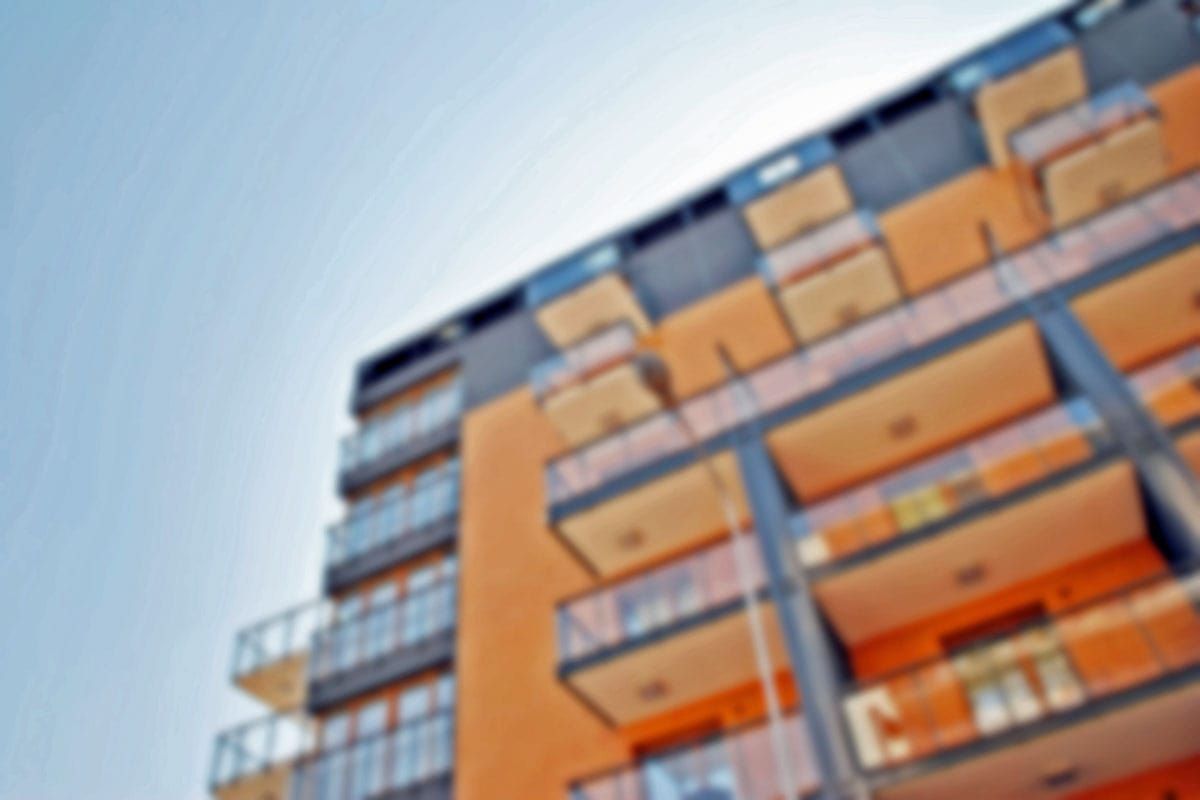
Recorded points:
1059,133
820,247
1063,256
436,408
733,766
682,589
615,343
258,747
381,631
1078,656
276,638
400,512
984,468
413,753
1170,387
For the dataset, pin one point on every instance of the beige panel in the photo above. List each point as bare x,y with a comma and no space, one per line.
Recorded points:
1096,177
1013,102
280,684
1087,517
270,785
841,295
797,206
681,669
662,517
950,399
1147,314
1102,749
613,398
591,308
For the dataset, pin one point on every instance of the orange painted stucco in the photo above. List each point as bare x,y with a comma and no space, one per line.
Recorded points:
938,235
1178,100
1177,781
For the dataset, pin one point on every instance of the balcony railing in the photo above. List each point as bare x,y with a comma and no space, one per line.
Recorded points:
1171,387
653,601
434,410
394,515
259,749
1060,133
407,622
820,247
1061,257
612,345
276,639
985,468
414,753
734,766
1078,657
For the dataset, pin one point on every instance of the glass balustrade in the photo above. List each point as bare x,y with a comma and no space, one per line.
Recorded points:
1057,134
982,469
1171,387
276,639
576,364
820,247
264,748
1074,658
924,319
655,600
432,411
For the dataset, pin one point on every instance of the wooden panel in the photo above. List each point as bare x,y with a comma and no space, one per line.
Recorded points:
1012,102
591,308
669,514
680,669
907,417
841,295
1096,177
1147,314
937,235
613,398
797,206
1094,514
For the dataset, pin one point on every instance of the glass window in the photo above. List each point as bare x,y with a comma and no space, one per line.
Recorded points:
369,751
418,604
381,620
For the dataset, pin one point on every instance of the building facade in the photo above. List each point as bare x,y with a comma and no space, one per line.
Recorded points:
868,471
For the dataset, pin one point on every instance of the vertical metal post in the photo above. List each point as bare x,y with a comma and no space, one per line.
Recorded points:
1164,474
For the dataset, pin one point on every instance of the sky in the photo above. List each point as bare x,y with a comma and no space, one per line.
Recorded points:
209,211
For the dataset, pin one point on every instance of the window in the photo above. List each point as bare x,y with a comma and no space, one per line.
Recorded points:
381,620
368,773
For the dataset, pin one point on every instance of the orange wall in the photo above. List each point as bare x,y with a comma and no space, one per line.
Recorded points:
742,318
1063,588
520,732
1178,99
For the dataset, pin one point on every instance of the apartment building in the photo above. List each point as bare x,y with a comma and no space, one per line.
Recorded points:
868,471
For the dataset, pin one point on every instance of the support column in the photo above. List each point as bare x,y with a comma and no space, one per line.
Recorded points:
1167,479
809,649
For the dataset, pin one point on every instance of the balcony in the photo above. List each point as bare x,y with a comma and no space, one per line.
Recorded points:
1092,516
404,434
1077,700
832,276
270,658
600,383
581,297
890,341
681,508
664,638
401,523
1093,154
254,761
736,765
383,645
412,762
798,206
941,489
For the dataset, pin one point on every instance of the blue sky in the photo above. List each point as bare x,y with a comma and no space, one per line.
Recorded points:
209,211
